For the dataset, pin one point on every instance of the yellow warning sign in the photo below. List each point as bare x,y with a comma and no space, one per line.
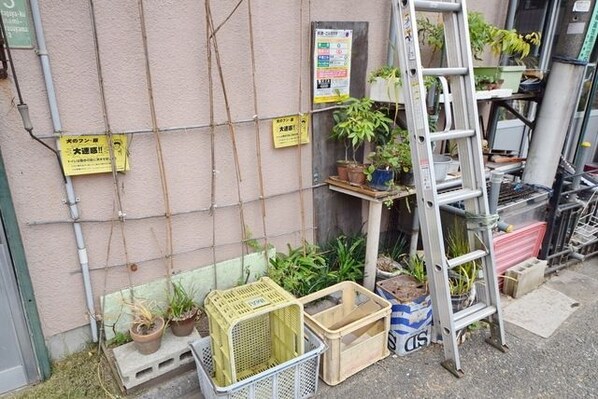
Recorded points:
82,155
285,130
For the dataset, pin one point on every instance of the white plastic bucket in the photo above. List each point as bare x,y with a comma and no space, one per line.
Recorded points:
441,166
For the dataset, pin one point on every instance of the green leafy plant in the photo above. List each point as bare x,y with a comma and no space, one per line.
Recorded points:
345,257
299,271
386,157
394,155
120,338
486,82
393,74
395,245
416,267
181,303
309,268
463,277
502,42
357,122
386,72
512,43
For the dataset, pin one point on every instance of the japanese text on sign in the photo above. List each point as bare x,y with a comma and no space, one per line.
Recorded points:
82,155
285,130
16,23
332,65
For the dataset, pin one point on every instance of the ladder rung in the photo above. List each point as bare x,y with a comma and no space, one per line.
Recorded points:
436,6
451,135
445,71
468,257
458,195
472,314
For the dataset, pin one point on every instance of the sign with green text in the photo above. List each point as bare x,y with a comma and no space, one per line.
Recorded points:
16,23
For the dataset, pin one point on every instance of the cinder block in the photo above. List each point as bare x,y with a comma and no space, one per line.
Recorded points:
135,368
524,277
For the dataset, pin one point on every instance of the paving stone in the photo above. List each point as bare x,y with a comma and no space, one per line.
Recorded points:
541,311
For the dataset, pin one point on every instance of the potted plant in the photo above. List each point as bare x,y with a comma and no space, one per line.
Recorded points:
462,278
386,84
502,42
182,310
411,307
389,158
384,161
355,123
147,327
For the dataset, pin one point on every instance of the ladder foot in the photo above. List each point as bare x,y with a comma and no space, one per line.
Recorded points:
497,344
450,366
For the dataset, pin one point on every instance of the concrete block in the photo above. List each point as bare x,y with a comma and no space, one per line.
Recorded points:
524,277
135,369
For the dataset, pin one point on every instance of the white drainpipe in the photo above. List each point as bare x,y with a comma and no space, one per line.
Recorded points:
70,191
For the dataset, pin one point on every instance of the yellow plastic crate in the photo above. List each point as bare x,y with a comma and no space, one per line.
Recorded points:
253,327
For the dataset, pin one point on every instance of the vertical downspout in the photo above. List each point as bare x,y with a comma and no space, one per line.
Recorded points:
70,191
550,23
510,22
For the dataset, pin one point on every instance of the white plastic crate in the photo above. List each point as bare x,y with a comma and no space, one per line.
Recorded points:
293,379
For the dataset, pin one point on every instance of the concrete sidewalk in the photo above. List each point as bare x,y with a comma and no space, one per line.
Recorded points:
564,365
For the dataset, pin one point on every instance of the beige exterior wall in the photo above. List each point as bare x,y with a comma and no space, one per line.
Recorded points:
176,32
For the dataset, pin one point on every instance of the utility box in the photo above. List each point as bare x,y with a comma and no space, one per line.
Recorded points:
524,277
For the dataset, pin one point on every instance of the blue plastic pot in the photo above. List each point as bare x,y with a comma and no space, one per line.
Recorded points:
381,179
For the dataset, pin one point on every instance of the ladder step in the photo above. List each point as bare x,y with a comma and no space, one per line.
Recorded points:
451,135
458,195
445,71
468,257
435,6
474,313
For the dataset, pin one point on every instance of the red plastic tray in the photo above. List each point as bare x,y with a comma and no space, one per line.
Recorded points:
517,246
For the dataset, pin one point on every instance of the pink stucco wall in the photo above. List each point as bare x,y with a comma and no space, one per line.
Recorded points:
178,61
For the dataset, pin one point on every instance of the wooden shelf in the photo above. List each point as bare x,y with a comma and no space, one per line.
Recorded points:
365,192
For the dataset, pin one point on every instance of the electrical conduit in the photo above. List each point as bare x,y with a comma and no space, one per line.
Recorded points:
70,191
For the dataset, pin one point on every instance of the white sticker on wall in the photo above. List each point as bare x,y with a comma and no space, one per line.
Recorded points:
582,6
576,28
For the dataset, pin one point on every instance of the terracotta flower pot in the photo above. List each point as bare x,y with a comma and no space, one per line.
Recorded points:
150,341
341,168
356,175
183,327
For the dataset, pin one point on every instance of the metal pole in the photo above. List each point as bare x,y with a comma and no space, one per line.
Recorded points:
562,88
580,160
70,190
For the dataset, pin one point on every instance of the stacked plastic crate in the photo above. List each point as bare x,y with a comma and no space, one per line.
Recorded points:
258,347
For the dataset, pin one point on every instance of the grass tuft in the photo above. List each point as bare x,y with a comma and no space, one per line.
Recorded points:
84,374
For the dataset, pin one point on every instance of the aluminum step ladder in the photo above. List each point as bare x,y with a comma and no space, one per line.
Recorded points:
466,132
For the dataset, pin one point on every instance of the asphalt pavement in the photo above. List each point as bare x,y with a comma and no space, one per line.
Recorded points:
564,365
